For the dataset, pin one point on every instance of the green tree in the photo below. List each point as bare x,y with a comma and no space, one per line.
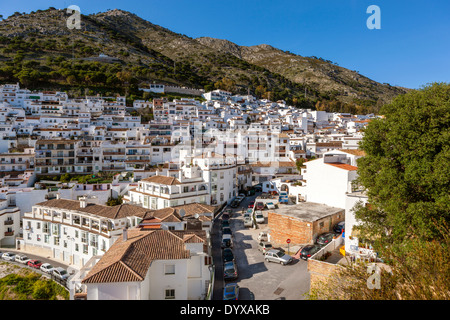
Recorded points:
417,270
299,163
406,170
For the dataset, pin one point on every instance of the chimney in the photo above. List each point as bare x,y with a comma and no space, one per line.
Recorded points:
83,202
125,234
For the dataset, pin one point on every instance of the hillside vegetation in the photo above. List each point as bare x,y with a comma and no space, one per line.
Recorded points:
40,52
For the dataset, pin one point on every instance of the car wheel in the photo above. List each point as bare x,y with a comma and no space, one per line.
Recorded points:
267,260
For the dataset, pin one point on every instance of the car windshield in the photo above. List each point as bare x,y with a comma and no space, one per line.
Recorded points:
49,266
63,272
229,289
280,254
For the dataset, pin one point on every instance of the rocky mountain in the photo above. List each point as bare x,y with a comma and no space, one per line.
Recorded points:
39,50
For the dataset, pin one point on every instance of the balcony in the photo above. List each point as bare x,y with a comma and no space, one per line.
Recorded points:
9,233
8,222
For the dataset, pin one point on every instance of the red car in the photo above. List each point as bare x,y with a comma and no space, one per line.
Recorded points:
252,204
260,206
35,264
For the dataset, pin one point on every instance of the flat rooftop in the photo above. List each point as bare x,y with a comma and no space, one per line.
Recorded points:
306,211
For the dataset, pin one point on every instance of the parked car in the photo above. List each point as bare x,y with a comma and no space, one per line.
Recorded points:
277,256
270,205
325,238
227,255
35,264
47,268
226,230
225,216
249,212
230,270
263,236
339,227
60,273
235,204
248,222
227,242
231,291
8,256
225,224
251,204
258,188
264,246
309,250
22,258
259,217
259,206
229,212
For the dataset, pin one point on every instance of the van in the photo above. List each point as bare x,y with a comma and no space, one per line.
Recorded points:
248,222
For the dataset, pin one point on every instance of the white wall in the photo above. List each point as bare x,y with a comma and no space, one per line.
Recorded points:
326,184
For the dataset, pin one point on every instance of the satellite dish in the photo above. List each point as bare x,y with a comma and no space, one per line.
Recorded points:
182,213
196,216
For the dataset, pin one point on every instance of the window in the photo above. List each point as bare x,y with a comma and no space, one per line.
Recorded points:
170,293
321,225
169,269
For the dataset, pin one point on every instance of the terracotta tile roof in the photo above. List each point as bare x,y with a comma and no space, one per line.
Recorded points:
275,164
343,166
162,180
329,144
356,152
112,212
129,261
172,214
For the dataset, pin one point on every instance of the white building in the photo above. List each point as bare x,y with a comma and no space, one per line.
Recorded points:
328,179
75,231
149,265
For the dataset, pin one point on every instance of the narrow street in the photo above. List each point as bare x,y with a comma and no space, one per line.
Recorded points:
258,280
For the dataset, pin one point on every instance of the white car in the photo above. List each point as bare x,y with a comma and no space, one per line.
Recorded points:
22,258
259,217
8,256
47,268
248,222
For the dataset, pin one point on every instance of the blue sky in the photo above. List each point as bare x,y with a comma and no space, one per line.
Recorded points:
411,49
